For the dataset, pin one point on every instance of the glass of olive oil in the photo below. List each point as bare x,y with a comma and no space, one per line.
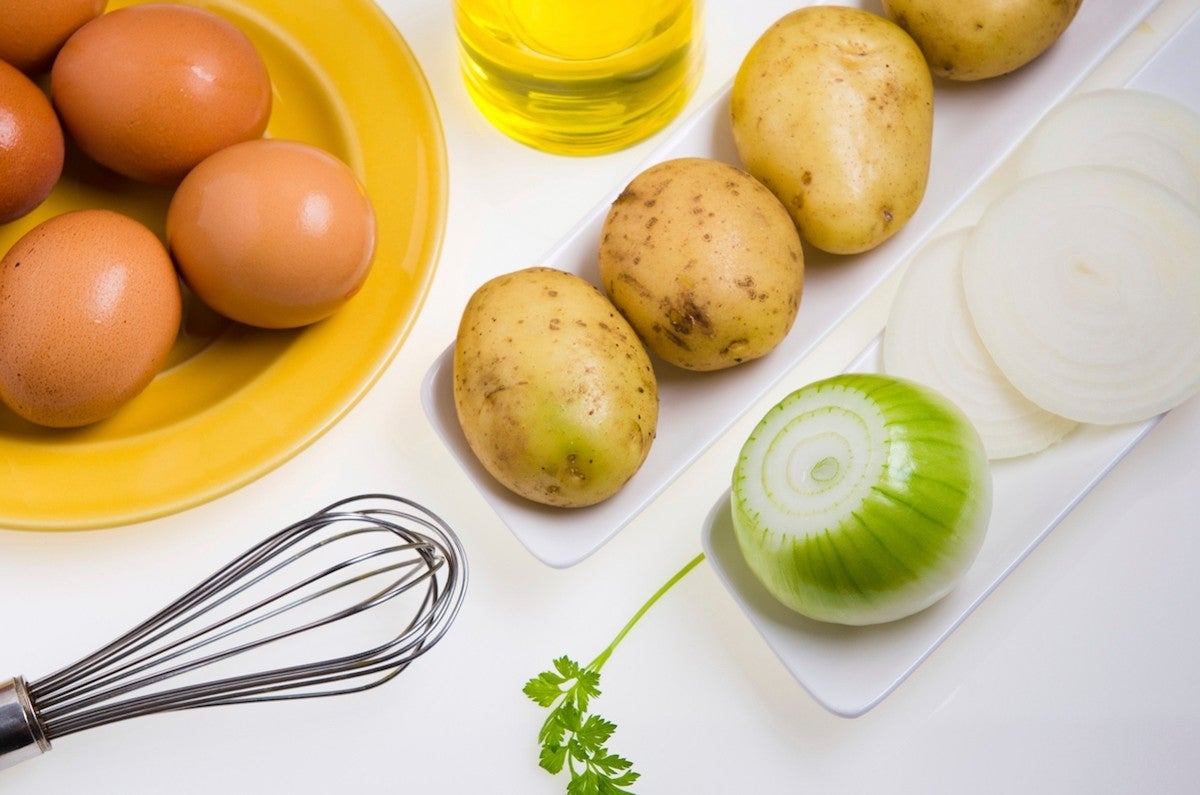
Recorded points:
580,77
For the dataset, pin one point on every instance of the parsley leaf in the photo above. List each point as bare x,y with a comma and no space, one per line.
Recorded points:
573,739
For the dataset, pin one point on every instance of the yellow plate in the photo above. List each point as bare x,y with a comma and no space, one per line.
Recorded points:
234,402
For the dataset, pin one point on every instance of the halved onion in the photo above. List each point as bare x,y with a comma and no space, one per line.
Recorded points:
1139,130
931,338
861,499
1084,286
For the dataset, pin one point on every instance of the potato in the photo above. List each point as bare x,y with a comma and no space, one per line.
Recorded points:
977,39
554,392
832,109
704,262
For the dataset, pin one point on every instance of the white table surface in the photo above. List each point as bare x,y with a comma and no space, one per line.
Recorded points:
1078,674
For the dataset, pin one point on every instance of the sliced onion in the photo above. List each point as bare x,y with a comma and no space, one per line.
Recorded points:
1139,130
861,499
1084,285
931,338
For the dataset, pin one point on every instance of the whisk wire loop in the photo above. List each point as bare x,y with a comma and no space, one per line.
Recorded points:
223,629
369,554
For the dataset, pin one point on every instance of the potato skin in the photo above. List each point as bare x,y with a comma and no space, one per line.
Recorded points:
553,390
969,40
832,109
704,262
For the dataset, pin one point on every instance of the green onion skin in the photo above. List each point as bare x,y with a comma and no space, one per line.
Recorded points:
861,499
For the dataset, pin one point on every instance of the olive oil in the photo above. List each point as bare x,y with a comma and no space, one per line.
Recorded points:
579,76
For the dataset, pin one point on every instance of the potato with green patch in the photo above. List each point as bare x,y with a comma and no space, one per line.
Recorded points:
704,262
832,109
977,39
554,392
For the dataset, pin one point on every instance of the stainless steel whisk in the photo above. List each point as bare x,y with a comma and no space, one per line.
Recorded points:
372,566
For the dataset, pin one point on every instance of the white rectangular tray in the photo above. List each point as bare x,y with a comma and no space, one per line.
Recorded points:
849,670
975,127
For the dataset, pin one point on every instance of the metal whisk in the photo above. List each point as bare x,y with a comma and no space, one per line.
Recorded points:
303,603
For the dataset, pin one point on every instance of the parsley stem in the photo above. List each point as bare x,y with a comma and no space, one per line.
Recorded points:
596,664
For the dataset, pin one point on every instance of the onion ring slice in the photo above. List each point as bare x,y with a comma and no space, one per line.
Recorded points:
1084,285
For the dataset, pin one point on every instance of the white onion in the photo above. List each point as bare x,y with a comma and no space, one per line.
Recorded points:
861,499
1084,285
931,338
1139,130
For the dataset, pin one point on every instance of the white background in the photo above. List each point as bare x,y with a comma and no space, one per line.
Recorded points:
1078,674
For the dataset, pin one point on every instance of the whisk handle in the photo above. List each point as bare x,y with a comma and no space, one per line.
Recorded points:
21,733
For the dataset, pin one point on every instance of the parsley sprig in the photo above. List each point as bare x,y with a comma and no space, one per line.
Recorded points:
573,739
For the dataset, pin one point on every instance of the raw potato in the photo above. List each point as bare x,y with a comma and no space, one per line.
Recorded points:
977,39
832,109
704,262
554,392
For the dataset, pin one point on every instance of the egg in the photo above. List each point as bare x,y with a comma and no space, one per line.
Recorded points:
34,30
272,233
90,307
151,90
31,145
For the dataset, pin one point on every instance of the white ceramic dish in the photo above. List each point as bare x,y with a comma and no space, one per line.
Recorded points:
849,670
975,127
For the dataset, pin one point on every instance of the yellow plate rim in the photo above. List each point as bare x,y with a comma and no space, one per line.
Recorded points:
127,469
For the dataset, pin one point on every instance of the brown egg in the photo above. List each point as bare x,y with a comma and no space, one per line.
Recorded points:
90,306
151,90
32,31
31,145
272,233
